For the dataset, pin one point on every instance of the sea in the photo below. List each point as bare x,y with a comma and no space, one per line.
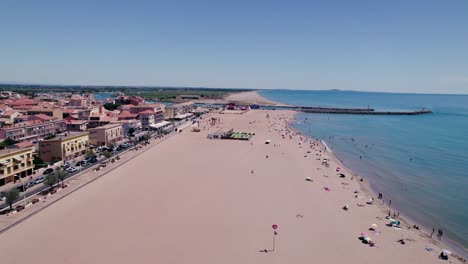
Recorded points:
418,162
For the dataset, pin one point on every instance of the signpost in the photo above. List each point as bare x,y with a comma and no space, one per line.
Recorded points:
274,235
274,240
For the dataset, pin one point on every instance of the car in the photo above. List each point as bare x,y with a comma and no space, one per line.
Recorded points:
39,180
66,165
71,169
2,196
48,171
30,184
93,160
84,163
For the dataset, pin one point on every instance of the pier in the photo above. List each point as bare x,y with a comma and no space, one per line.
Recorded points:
329,110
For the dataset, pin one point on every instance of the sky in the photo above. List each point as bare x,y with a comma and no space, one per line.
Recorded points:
392,46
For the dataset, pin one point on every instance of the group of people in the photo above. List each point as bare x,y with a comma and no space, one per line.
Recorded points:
440,233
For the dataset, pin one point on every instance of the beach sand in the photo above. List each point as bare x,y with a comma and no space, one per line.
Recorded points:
195,200
249,98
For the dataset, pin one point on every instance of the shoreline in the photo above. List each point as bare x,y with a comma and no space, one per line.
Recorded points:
424,231
365,186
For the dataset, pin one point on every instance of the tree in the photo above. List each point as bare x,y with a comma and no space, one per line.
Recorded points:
11,196
107,154
61,174
50,180
147,137
38,163
89,153
7,142
111,106
131,131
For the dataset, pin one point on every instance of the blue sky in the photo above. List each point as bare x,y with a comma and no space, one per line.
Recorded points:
395,46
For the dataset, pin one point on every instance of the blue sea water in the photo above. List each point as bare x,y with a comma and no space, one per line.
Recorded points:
420,162
102,96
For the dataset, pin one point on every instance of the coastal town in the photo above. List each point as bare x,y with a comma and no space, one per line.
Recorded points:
70,131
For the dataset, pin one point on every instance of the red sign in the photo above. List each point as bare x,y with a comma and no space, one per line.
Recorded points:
274,226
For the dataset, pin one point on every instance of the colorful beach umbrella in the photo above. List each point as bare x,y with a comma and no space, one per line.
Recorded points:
363,234
446,252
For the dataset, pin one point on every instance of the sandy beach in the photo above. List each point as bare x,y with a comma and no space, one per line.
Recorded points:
192,199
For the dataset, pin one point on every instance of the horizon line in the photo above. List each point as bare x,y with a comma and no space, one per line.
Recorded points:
225,88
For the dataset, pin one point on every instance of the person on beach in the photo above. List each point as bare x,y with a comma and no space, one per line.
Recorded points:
432,232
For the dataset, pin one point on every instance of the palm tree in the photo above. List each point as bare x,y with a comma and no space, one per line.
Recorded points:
11,196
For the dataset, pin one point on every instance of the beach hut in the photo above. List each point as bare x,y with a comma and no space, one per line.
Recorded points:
267,141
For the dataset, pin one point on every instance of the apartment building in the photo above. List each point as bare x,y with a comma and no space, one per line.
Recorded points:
32,130
15,162
105,135
55,112
64,147
77,125
157,109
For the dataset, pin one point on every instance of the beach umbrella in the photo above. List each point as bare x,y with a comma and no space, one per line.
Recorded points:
367,239
363,234
446,252
374,225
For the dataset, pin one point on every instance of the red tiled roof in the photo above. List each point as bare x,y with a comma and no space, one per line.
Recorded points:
147,112
44,117
24,144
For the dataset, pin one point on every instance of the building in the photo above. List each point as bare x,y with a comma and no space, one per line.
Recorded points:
64,147
77,100
105,135
32,130
77,125
157,109
55,112
127,124
15,162
133,100
177,109
146,118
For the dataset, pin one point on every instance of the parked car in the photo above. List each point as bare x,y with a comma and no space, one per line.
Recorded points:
30,184
66,165
71,169
84,163
48,171
39,180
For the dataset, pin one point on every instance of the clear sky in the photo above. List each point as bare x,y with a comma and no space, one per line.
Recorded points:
395,46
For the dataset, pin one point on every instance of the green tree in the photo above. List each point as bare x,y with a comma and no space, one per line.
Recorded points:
61,174
111,106
107,154
131,131
89,153
11,196
38,163
50,180
7,142
147,137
